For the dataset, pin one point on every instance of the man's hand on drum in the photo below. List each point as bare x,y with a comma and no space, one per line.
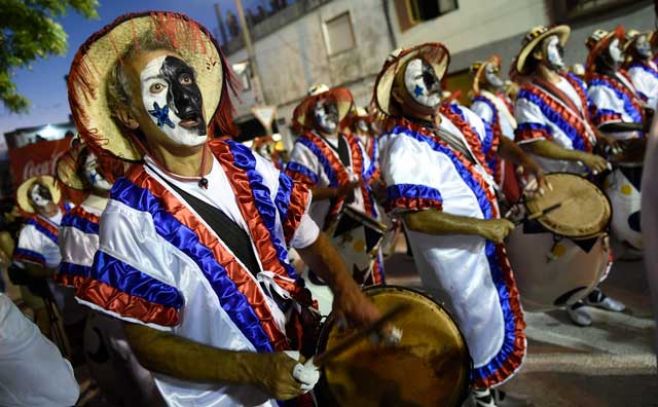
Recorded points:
347,188
595,163
496,230
284,377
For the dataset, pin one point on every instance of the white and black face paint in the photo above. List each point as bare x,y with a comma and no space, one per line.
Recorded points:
40,196
642,47
492,78
326,116
173,100
422,84
615,53
95,179
362,125
554,53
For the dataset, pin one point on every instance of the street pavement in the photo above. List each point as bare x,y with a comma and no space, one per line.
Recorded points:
611,363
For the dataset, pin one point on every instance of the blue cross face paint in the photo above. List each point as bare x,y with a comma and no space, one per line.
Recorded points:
173,100
421,82
95,179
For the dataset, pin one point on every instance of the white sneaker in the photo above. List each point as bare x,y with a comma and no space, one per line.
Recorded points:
579,315
598,299
495,398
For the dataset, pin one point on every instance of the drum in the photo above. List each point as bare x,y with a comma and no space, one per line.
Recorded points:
431,365
358,238
559,258
623,188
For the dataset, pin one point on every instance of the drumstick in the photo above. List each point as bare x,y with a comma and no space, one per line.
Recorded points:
544,211
359,334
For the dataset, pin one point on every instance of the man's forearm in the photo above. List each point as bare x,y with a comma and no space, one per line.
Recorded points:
323,258
323,193
434,222
36,271
510,151
178,357
548,149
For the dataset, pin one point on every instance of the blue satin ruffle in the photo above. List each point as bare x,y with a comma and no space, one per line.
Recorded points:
122,276
50,235
412,191
184,239
80,223
303,170
29,255
328,170
245,160
630,110
554,117
73,269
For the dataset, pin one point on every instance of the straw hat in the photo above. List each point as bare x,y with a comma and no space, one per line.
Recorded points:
303,113
96,58
66,169
477,69
23,192
434,53
598,42
534,37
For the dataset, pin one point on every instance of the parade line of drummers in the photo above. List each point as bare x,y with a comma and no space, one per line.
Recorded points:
199,271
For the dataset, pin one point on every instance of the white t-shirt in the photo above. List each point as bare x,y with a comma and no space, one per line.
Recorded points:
305,235
32,371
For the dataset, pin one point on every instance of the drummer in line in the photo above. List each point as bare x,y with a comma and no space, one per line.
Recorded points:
553,123
332,162
438,183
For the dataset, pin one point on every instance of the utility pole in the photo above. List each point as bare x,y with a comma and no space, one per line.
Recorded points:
259,95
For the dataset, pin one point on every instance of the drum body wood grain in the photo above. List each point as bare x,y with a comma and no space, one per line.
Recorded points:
430,367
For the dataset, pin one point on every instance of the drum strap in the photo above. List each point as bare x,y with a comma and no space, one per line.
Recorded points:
234,236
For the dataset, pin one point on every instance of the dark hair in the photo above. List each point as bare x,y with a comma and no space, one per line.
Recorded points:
43,190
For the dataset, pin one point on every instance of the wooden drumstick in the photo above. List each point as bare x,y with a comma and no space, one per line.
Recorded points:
544,211
359,334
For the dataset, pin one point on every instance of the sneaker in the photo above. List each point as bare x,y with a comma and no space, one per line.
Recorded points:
496,398
579,315
598,299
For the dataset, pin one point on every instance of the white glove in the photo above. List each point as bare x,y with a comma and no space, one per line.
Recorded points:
307,374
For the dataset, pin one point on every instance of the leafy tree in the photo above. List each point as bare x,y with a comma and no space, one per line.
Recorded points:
28,31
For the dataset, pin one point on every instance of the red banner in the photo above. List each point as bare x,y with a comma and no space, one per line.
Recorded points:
38,159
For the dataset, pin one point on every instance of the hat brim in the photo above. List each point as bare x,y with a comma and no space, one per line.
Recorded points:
96,58
22,193
66,169
599,47
562,32
386,78
477,78
303,114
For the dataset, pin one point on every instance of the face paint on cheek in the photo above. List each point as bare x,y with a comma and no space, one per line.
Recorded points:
326,116
553,52
95,179
492,77
616,54
170,112
422,84
642,47
37,199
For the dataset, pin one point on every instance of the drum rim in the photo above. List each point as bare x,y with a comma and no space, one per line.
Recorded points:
368,219
324,334
606,227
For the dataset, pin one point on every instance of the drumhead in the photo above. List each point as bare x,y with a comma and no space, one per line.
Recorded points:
430,367
584,211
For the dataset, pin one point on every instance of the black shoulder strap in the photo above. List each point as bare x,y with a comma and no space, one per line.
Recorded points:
234,236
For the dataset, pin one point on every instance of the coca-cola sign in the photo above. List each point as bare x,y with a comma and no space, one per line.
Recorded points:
36,159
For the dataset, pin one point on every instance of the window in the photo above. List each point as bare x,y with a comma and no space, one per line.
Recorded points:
412,12
339,34
572,10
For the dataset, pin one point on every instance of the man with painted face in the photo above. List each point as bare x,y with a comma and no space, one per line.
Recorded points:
111,363
641,68
617,108
332,162
495,108
193,252
439,184
552,109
